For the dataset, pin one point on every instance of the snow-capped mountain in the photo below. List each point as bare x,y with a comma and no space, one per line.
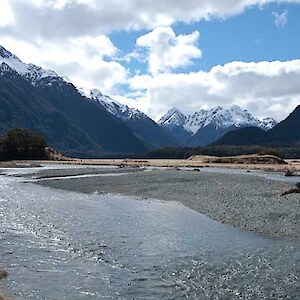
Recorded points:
67,101
30,72
173,117
142,126
218,116
267,123
41,100
115,108
206,126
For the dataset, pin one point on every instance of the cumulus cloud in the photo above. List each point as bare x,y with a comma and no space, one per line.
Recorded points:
70,36
168,51
57,19
265,88
86,61
280,20
6,14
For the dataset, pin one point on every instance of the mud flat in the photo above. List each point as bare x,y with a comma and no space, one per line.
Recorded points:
248,201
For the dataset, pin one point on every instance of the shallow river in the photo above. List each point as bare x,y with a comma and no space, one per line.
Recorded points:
66,245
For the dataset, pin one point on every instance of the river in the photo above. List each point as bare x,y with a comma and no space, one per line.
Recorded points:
60,244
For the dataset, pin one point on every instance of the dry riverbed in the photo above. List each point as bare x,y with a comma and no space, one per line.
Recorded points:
241,162
248,201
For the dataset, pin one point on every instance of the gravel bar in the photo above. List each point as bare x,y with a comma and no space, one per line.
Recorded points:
245,201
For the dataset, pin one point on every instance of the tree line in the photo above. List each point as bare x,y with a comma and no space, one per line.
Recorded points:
21,143
221,150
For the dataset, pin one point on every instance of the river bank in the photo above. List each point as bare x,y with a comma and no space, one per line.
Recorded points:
241,162
248,201
3,274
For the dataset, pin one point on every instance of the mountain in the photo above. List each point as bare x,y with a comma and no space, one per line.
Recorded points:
287,132
152,135
206,126
44,102
30,72
173,121
267,123
284,134
172,118
246,136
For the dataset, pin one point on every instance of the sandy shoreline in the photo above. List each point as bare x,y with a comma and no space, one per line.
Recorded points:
293,165
244,200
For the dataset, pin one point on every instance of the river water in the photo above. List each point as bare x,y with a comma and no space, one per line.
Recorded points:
66,245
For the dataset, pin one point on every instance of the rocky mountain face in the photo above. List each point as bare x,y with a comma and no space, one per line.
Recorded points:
206,126
90,125
44,102
71,121
148,131
284,134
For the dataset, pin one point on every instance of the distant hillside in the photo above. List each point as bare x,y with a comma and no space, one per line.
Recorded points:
38,99
284,134
68,121
242,137
204,127
287,132
152,135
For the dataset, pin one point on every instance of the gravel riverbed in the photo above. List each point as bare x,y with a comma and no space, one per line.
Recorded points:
247,201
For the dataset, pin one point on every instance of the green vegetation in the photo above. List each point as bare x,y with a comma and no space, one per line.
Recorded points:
222,150
21,143
271,151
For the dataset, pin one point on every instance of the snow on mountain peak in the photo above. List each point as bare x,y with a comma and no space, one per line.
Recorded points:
235,107
95,94
115,108
31,72
268,123
173,117
6,54
218,117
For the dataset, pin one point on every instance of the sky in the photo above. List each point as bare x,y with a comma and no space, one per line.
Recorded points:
158,54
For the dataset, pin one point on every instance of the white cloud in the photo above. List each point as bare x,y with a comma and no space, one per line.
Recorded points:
6,14
280,20
83,60
265,88
69,37
57,19
168,51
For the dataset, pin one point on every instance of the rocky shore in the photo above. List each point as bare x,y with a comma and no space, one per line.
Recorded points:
244,200
3,274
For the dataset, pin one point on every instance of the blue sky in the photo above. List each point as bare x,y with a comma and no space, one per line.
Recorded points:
154,55
250,36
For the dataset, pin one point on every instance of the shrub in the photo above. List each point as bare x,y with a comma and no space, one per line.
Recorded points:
21,143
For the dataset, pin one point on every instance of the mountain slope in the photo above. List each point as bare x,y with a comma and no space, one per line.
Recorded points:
142,126
287,132
242,137
284,134
41,100
206,126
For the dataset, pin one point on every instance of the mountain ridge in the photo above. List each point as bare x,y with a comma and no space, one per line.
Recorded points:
142,126
206,126
41,100
284,134
73,121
